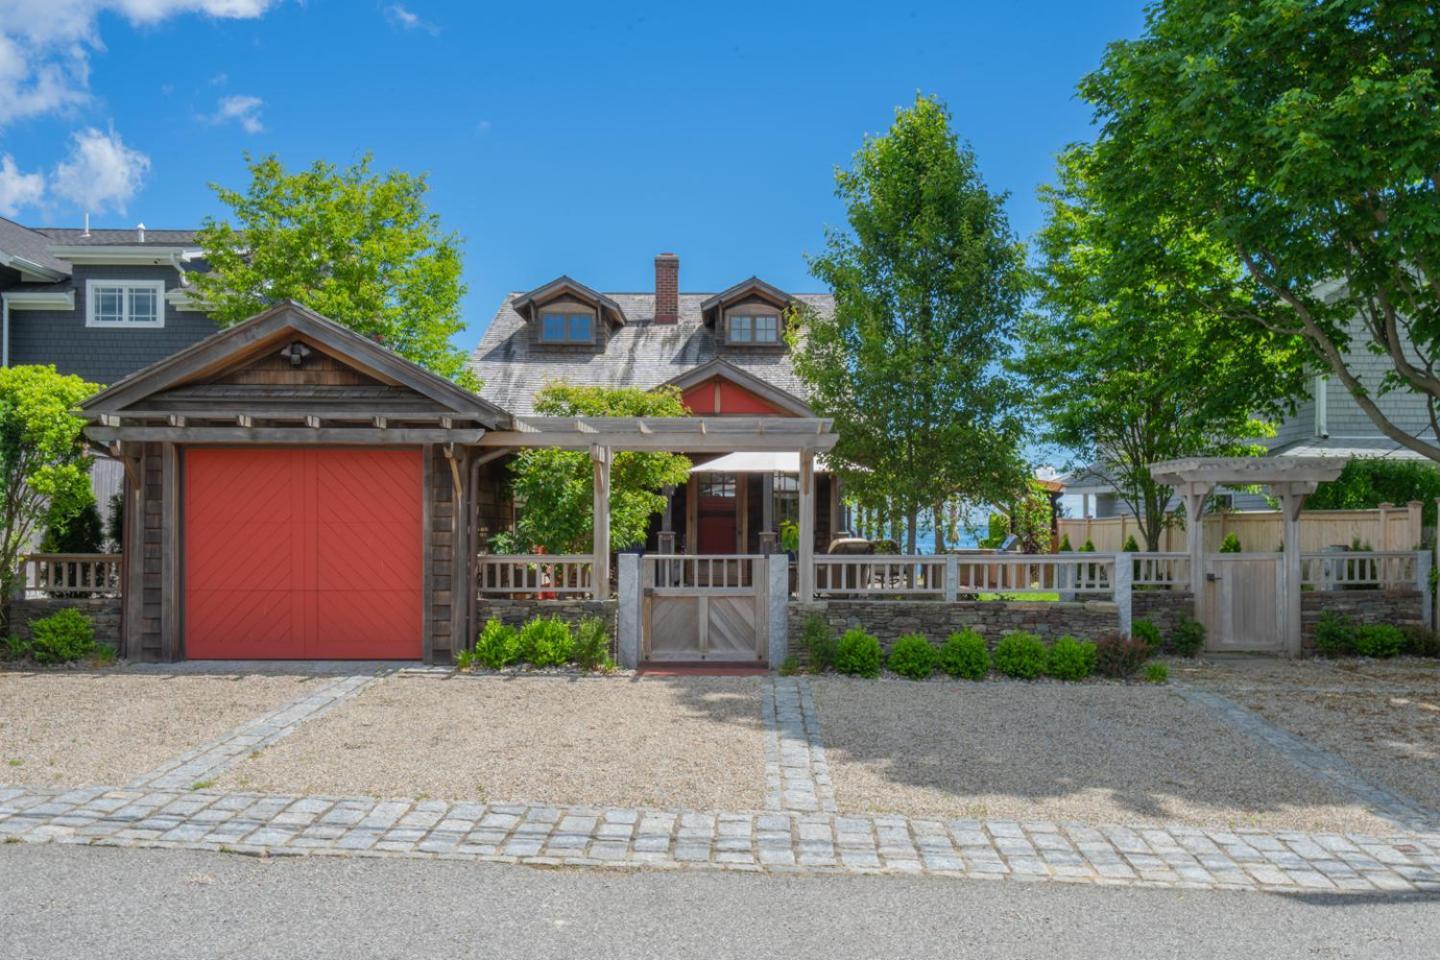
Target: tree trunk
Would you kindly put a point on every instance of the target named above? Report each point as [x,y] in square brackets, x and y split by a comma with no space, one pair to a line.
[912,521]
[939,528]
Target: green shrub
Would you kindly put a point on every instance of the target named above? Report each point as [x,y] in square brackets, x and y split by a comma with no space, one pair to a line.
[858,654]
[546,642]
[965,654]
[789,666]
[1231,544]
[1020,655]
[1157,673]
[592,645]
[1130,545]
[1188,637]
[1379,640]
[497,646]
[1065,544]
[465,660]
[1420,641]
[1334,636]
[16,647]
[1118,656]
[818,643]
[1146,630]
[1088,546]
[63,637]
[1070,659]
[912,656]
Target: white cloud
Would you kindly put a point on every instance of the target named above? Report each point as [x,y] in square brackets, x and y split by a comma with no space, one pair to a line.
[239,109]
[101,172]
[17,188]
[409,20]
[45,45]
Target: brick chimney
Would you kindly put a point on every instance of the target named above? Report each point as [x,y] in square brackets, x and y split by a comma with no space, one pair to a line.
[667,288]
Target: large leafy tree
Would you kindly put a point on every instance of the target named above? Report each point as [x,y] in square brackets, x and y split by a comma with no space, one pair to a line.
[1305,137]
[556,488]
[928,282]
[44,465]
[1128,367]
[356,246]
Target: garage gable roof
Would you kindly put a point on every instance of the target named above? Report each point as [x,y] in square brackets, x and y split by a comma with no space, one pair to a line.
[245,341]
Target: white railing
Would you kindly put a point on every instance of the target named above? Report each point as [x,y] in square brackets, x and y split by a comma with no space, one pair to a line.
[907,576]
[542,576]
[700,571]
[1064,573]
[1376,570]
[70,574]
[1161,570]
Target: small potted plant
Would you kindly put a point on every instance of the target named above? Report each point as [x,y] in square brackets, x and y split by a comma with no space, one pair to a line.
[790,538]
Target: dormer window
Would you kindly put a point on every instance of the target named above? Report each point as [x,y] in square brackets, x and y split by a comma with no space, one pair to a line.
[760,328]
[557,327]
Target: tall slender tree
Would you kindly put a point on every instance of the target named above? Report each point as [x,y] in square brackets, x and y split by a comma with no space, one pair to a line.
[928,283]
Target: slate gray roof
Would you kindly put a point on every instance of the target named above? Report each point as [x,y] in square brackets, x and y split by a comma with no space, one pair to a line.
[75,237]
[21,241]
[640,354]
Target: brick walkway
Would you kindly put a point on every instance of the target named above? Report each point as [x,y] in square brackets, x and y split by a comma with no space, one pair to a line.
[777,841]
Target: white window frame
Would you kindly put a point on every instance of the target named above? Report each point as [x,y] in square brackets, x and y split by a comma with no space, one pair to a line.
[158,286]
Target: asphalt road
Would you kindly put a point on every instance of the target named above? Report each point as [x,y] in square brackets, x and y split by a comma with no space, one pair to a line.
[76,903]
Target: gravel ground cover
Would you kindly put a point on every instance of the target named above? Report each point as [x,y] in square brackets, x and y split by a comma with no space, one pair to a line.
[1093,753]
[672,742]
[1380,716]
[74,728]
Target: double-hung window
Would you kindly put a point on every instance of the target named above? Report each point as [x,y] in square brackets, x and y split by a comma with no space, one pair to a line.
[125,303]
[754,328]
[567,328]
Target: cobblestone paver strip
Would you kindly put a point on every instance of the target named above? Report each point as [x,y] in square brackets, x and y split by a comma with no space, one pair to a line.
[1171,856]
[1401,812]
[208,761]
[797,778]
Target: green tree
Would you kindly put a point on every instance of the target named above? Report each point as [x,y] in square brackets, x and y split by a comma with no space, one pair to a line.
[928,283]
[44,466]
[358,247]
[1127,367]
[1303,137]
[556,488]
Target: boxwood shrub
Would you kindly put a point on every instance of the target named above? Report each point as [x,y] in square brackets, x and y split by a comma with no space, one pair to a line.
[546,642]
[1188,637]
[1147,631]
[1379,640]
[912,656]
[965,654]
[818,643]
[858,654]
[592,645]
[1334,636]
[63,637]
[497,646]
[1020,655]
[1070,659]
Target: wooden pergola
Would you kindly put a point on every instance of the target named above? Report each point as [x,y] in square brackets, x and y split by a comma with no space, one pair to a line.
[1291,479]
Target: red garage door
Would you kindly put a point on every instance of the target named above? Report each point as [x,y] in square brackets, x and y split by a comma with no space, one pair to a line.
[302,553]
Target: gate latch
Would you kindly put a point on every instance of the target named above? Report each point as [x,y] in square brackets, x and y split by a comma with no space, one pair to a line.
[1213,577]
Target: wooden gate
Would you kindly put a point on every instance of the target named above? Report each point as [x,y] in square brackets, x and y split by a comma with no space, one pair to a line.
[704,607]
[1244,602]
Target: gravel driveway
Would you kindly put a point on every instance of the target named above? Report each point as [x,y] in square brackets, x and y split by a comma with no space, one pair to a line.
[107,727]
[692,742]
[1380,716]
[1094,753]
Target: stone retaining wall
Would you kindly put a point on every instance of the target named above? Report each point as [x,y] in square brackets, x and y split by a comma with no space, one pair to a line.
[1359,606]
[937,619]
[516,613]
[1164,608]
[104,613]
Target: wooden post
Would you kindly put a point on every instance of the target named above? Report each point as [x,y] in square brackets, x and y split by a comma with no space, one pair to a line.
[600,569]
[806,556]
[1194,496]
[1291,500]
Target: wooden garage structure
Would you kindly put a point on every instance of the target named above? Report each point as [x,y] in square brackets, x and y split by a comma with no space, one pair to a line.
[292,492]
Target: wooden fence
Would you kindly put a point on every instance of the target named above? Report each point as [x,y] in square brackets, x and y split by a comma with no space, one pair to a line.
[69,575]
[952,576]
[1385,528]
[544,576]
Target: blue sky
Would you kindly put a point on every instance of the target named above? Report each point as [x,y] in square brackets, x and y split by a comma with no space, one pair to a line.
[559,138]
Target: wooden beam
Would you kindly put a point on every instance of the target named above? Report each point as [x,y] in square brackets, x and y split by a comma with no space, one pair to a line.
[699,442]
[176,420]
[379,422]
[171,640]
[313,422]
[244,420]
[340,435]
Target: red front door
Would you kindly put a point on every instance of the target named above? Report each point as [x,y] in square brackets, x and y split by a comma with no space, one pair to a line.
[717,515]
[302,553]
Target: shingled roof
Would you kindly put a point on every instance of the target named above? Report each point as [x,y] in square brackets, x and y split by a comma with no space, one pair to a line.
[640,354]
[28,246]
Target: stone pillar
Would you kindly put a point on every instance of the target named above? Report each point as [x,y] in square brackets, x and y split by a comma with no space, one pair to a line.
[777,567]
[1124,576]
[1422,583]
[806,554]
[628,612]
[600,569]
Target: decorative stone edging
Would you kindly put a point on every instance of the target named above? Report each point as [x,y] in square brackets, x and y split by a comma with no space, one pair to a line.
[208,761]
[797,778]
[1400,812]
[1173,856]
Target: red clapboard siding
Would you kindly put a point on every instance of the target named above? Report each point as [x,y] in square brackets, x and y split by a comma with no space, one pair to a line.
[302,553]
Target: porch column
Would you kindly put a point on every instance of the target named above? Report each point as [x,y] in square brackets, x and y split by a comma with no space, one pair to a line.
[666,540]
[1194,495]
[806,555]
[769,539]
[600,569]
